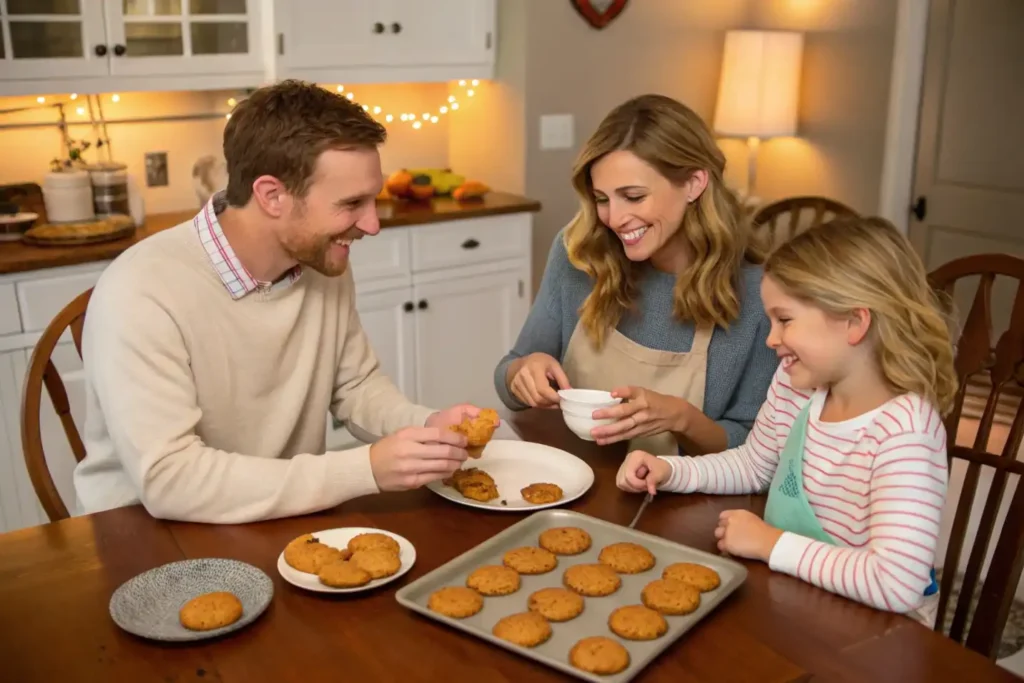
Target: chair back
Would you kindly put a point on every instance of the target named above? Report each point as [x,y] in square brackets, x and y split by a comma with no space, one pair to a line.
[1001,362]
[782,220]
[43,373]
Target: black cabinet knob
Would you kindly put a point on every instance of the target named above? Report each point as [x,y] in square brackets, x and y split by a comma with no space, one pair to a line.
[396,27]
[120,50]
[408,307]
[470,244]
[100,50]
[920,208]
[423,304]
[378,27]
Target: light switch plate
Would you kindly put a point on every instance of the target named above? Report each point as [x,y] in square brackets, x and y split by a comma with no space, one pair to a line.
[556,131]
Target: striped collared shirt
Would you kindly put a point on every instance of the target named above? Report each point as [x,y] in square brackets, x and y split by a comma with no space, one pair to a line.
[233,274]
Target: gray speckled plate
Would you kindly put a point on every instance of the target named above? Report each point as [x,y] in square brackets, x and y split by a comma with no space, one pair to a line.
[148,604]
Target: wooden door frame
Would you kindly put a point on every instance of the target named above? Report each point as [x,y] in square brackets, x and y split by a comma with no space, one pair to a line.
[903,121]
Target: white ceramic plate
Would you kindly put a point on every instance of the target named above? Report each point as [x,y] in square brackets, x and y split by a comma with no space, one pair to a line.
[515,465]
[339,538]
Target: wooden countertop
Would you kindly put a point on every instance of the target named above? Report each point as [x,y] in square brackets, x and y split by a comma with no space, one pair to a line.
[16,257]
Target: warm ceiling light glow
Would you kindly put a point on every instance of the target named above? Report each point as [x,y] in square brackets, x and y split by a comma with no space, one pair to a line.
[341,88]
[451,98]
[376,110]
[462,83]
[444,110]
[389,118]
[366,107]
[80,111]
[426,116]
[115,98]
[40,100]
[455,105]
[475,82]
[470,92]
[433,119]
[405,117]
[350,95]
[417,124]
[74,96]
[232,101]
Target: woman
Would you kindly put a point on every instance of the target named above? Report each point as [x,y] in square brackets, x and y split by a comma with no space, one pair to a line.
[651,292]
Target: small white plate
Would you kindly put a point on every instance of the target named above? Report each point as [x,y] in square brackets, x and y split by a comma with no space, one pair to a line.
[339,538]
[514,465]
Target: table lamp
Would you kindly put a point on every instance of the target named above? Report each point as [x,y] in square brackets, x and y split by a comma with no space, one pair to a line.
[759,89]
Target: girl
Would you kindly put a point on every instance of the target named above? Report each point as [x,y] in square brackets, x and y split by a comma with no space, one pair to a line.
[850,443]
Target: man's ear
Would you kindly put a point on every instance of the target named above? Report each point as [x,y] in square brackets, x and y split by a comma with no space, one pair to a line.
[858,326]
[270,195]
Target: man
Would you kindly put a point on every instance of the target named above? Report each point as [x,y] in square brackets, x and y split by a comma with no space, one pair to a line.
[214,350]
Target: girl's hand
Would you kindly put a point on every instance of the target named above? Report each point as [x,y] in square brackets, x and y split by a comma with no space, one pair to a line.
[744,534]
[529,380]
[642,412]
[641,472]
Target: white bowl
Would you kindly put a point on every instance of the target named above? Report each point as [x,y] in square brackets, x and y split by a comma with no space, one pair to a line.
[578,405]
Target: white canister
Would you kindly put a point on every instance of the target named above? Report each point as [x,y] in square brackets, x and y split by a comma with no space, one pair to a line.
[67,196]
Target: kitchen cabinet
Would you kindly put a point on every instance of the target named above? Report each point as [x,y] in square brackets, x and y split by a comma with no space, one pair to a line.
[89,46]
[347,41]
[441,303]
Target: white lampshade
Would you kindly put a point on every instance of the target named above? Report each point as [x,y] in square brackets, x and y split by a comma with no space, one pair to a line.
[760,84]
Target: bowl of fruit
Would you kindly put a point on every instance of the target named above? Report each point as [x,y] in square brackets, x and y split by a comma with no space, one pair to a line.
[423,184]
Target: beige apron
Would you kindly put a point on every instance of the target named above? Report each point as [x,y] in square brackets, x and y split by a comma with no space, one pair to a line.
[623,362]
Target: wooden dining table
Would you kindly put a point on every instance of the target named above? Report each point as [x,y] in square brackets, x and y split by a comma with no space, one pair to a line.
[56,581]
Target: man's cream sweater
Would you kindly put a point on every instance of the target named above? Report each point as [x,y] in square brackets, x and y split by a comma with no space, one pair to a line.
[210,409]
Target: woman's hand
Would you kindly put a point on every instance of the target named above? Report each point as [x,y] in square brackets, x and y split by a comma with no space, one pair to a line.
[641,472]
[642,412]
[744,534]
[529,379]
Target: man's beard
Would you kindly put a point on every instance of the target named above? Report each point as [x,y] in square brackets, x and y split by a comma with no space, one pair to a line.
[315,255]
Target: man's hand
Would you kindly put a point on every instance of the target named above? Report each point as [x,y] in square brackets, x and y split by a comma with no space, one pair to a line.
[744,534]
[415,456]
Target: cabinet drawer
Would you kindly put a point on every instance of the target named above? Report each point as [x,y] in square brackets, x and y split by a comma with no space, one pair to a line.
[41,300]
[470,241]
[10,320]
[381,256]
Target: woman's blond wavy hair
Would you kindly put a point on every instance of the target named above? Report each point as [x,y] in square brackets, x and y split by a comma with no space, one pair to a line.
[852,263]
[676,142]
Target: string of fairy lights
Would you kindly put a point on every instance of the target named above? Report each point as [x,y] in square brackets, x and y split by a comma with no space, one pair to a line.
[416,120]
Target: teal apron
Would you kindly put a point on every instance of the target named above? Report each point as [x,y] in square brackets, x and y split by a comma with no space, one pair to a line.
[788,508]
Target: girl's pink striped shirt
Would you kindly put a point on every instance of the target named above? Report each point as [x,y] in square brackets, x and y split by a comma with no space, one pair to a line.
[877,484]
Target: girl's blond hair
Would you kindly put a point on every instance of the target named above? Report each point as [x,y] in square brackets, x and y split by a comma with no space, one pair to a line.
[852,263]
[675,141]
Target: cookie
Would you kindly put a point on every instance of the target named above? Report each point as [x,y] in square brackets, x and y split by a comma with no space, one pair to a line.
[457,602]
[494,580]
[209,611]
[377,563]
[599,655]
[594,580]
[307,554]
[530,560]
[374,541]
[473,484]
[478,431]
[528,629]
[700,577]
[555,604]
[565,540]
[541,494]
[626,558]
[343,575]
[670,597]
[636,622]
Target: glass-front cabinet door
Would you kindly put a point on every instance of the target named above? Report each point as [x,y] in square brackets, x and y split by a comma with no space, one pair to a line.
[52,38]
[174,37]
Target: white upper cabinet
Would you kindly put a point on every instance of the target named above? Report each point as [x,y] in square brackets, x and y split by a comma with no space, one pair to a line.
[52,38]
[387,40]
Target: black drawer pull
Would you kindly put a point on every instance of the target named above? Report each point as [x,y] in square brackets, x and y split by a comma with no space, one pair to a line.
[407,307]
[423,304]
[470,244]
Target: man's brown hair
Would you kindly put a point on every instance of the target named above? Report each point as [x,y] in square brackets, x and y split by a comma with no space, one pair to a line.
[281,130]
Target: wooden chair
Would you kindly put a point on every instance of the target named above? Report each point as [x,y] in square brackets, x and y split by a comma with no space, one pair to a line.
[42,372]
[773,229]
[1003,362]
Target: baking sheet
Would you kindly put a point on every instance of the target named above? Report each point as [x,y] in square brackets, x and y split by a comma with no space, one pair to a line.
[594,619]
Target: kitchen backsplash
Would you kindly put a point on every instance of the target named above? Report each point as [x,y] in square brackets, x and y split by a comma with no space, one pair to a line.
[185,136]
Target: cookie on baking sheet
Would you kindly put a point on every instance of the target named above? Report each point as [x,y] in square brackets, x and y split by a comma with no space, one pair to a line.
[210,610]
[555,604]
[593,580]
[636,622]
[670,597]
[541,494]
[307,554]
[494,579]
[626,558]
[565,540]
[343,574]
[700,577]
[528,629]
[530,560]
[377,563]
[374,541]
[599,655]
[457,602]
